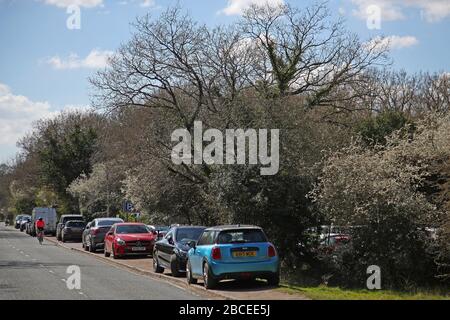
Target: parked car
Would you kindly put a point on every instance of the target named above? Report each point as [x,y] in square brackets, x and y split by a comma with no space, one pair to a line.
[62,221]
[129,239]
[28,227]
[332,242]
[232,252]
[48,215]
[171,251]
[93,237]
[73,229]
[161,231]
[17,221]
[23,222]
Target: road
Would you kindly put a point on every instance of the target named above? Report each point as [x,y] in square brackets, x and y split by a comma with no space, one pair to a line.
[32,271]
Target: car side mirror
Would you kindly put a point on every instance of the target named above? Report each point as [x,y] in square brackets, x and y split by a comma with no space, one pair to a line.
[192,244]
[110,233]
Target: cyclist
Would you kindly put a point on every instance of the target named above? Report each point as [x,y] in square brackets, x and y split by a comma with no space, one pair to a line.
[40,224]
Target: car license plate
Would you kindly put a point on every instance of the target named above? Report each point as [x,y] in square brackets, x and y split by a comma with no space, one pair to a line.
[138,248]
[240,254]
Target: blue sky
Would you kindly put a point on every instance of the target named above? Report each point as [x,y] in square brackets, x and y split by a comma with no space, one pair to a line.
[44,66]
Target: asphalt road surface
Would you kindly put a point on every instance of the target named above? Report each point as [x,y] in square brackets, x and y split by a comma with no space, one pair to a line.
[29,270]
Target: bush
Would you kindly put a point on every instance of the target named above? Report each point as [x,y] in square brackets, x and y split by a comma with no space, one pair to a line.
[374,130]
[401,249]
[380,190]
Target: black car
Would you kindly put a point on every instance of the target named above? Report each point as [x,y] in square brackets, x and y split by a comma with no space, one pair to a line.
[73,229]
[62,221]
[171,251]
[93,237]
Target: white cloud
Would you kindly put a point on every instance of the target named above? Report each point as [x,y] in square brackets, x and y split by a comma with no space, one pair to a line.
[94,60]
[236,7]
[431,10]
[148,3]
[17,114]
[394,42]
[80,3]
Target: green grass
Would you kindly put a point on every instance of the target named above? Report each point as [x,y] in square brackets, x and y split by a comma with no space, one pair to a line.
[335,293]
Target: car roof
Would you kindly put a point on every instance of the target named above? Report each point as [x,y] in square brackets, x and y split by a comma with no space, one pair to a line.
[189,227]
[112,218]
[234,227]
[129,224]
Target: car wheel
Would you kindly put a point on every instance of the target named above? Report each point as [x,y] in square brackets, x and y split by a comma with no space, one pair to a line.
[91,247]
[107,254]
[156,267]
[113,253]
[274,280]
[174,266]
[190,279]
[208,281]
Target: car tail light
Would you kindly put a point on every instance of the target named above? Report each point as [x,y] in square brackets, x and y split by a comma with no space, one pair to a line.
[271,252]
[215,254]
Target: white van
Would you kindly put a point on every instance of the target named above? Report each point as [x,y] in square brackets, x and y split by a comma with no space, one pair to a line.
[50,218]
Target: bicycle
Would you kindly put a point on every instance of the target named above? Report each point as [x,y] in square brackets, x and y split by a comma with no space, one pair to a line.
[40,236]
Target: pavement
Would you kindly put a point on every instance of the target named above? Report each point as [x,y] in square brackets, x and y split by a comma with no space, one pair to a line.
[22,260]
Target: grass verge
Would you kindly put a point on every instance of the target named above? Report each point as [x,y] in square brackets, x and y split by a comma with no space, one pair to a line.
[335,293]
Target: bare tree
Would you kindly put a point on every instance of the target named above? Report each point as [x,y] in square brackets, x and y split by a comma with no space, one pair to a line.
[308,53]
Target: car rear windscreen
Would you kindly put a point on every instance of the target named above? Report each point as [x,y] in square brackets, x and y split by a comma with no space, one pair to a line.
[76,224]
[186,234]
[106,223]
[132,229]
[72,218]
[241,236]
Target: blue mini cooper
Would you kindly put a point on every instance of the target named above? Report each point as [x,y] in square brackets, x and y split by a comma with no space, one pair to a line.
[232,252]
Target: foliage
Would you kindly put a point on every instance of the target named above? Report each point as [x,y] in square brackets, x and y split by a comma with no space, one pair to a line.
[378,192]
[98,192]
[373,130]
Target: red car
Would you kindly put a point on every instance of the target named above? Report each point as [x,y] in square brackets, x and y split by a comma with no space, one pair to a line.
[129,239]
